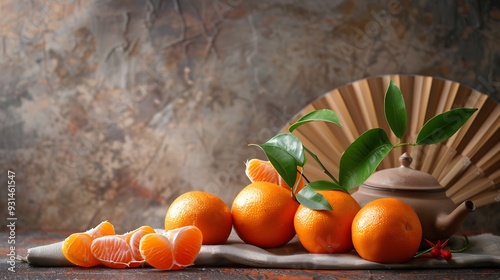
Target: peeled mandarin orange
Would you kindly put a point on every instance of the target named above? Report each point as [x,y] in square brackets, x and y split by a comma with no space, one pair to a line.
[113,251]
[102,229]
[258,170]
[386,230]
[120,251]
[76,247]
[205,211]
[128,235]
[156,250]
[327,231]
[186,244]
[173,250]
[261,171]
[133,239]
[263,214]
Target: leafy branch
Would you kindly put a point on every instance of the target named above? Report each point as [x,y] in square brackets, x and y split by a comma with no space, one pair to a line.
[362,157]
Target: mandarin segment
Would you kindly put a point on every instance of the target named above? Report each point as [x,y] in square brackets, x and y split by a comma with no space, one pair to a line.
[261,171]
[327,231]
[186,243]
[263,214]
[156,250]
[121,251]
[386,230]
[134,240]
[102,229]
[76,249]
[113,251]
[258,170]
[205,211]
[128,235]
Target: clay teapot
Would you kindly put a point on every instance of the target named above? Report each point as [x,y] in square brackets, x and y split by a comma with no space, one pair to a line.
[439,216]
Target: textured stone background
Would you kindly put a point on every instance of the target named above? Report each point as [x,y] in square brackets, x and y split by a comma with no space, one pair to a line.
[111,109]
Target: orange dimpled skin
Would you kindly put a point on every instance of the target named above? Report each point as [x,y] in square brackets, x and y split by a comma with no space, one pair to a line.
[205,211]
[327,231]
[386,230]
[263,214]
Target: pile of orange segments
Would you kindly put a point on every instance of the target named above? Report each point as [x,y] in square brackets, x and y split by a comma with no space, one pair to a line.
[266,214]
[171,250]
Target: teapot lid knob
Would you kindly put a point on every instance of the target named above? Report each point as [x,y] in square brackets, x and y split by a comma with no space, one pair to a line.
[405,160]
[404,178]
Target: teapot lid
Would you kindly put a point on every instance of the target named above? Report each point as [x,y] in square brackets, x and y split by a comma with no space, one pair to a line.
[403,178]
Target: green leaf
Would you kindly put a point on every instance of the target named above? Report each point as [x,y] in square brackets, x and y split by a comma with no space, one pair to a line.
[285,152]
[362,157]
[313,200]
[317,115]
[325,185]
[443,126]
[291,144]
[395,110]
[282,161]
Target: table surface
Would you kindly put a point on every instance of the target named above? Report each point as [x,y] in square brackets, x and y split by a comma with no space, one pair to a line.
[32,239]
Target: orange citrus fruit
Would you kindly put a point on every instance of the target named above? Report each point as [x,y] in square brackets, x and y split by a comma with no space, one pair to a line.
[386,230]
[76,247]
[120,251]
[327,231]
[133,239]
[113,251]
[156,249]
[258,170]
[186,243]
[102,229]
[205,211]
[173,250]
[263,214]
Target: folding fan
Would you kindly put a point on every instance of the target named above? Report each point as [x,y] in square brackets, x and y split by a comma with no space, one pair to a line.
[467,164]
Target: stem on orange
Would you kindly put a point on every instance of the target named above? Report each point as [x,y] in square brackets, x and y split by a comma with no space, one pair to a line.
[295,186]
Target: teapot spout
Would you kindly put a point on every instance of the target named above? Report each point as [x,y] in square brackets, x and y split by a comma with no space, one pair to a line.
[451,223]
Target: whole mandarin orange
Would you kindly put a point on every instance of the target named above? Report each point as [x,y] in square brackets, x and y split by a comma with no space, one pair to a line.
[263,214]
[386,230]
[327,231]
[203,210]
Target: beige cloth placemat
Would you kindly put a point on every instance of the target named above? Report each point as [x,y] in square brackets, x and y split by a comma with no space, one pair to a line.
[483,251]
